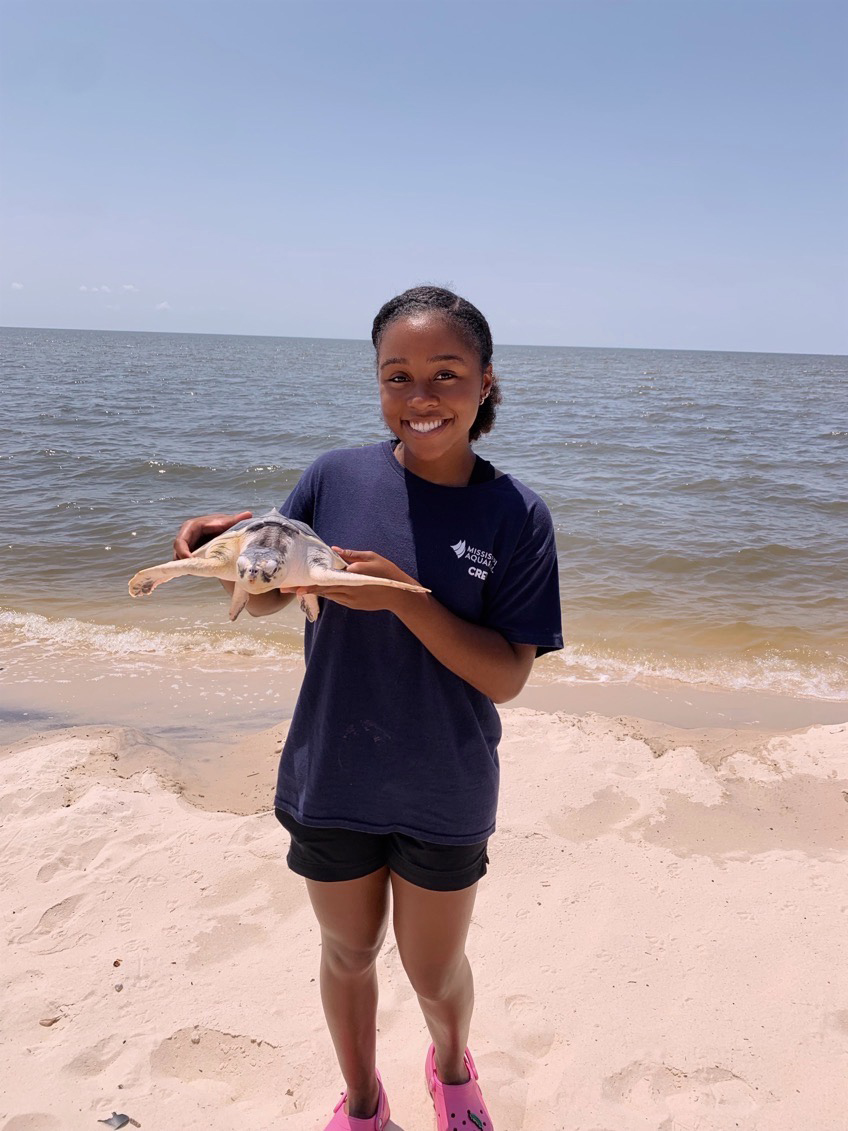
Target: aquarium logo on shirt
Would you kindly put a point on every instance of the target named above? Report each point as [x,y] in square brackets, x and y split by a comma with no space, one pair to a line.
[479,558]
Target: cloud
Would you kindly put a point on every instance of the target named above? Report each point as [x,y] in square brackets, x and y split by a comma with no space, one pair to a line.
[17,286]
[112,306]
[162,306]
[129,287]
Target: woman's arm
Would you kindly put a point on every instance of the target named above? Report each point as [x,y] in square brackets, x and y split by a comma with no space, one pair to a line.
[479,655]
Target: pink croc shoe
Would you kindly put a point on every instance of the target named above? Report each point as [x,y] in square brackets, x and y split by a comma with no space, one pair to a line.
[459,1107]
[341,1121]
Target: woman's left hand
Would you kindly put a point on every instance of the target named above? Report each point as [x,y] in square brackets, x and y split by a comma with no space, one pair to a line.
[367,598]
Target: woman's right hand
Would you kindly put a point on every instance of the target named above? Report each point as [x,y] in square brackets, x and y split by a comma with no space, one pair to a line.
[196,532]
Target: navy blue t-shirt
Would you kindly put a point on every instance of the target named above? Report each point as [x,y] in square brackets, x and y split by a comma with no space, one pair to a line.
[384,738]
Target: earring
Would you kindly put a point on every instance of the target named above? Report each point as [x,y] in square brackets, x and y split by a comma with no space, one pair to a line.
[484,397]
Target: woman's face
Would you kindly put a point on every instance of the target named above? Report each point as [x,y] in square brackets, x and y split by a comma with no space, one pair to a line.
[431,384]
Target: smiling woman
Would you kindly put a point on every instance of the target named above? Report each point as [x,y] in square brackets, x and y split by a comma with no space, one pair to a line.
[388,779]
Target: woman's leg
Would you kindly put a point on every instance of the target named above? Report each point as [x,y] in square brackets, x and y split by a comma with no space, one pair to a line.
[431,928]
[352,915]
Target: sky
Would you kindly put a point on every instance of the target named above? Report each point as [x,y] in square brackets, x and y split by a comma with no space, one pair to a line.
[616,173]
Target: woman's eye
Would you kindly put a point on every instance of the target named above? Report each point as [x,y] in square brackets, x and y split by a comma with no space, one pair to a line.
[398,378]
[445,373]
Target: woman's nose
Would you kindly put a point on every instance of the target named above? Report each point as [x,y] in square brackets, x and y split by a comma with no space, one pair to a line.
[423,392]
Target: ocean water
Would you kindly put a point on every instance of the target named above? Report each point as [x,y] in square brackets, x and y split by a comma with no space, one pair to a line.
[700,499]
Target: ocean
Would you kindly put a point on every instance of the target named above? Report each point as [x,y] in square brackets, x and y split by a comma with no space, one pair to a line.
[700,502]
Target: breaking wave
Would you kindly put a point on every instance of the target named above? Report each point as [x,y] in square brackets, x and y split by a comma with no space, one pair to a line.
[66,634]
[801,672]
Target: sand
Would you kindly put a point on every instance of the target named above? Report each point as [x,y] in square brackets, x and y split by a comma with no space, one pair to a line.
[660,943]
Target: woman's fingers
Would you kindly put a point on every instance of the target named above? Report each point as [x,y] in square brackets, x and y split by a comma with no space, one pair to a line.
[366,561]
[353,555]
[195,532]
[182,548]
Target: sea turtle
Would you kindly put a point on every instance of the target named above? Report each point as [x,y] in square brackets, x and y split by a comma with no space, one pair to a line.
[269,552]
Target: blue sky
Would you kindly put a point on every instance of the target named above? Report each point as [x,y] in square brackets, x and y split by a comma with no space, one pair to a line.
[658,173]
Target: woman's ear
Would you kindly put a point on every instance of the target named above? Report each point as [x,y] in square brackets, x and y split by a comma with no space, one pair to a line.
[487,383]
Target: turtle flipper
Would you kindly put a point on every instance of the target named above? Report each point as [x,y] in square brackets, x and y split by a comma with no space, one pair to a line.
[239,600]
[309,604]
[146,580]
[320,575]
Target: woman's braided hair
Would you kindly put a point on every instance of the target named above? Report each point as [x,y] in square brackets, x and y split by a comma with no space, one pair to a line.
[468,321]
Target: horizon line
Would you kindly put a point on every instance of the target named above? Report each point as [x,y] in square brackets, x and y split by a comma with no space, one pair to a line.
[367,341]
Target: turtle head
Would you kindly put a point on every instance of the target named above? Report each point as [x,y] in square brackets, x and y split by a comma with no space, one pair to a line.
[260,565]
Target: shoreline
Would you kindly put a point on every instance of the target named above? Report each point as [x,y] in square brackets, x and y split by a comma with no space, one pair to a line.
[191,706]
[658,939]
[195,681]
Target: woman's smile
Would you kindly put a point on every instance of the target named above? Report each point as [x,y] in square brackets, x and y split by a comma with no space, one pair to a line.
[423,427]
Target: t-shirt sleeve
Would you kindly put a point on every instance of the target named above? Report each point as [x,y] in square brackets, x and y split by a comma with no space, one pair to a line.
[300,505]
[525,603]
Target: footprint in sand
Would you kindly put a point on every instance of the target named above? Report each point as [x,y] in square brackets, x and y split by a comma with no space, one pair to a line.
[532,1032]
[228,888]
[72,859]
[50,928]
[243,1064]
[661,1090]
[246,834]
[505,1075]
[265,886]
[92,1061]
[225,939]
[33,1121]
[838,1022]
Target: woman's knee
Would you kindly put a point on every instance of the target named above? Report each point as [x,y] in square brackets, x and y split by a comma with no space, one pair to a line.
[437,981]
[350,958]
[353,916]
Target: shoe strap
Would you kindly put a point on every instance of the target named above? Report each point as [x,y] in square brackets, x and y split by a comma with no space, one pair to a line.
[380,1123]
[472,1067]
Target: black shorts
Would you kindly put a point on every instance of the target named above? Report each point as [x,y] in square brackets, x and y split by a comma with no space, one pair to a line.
[342,854]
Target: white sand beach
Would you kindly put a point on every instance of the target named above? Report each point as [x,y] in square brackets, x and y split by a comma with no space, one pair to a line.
[660,942]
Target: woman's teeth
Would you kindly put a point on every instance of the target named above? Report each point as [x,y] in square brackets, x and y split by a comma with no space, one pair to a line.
[424,426]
